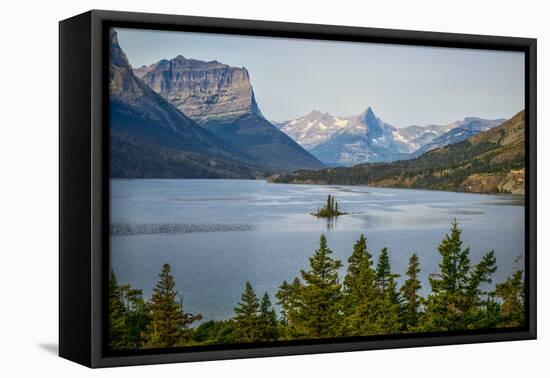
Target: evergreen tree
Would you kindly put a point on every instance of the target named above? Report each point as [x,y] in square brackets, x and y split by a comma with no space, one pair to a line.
[268,324]
[477,301]
[247,316]
[360,251]
[137,317]
[288,297]
[390,309]
[167,323]
[318,313]
[383,271]
[362,298]
[410,294]
[350,289]
[117,316]
[455,302]
[512,294]
[390,314]
[454,264]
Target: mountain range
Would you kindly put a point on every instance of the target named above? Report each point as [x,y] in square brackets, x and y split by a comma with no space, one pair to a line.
[366,138]
[492,161]
[186,118]
[152,137]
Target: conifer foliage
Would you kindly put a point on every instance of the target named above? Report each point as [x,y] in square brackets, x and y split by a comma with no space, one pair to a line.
[456,301]
[362,298]
[318,312]
[168,324]
[330,210]
[411,296]
[247,316]
[117,318]
[316,304]
[255,320]
[512,294]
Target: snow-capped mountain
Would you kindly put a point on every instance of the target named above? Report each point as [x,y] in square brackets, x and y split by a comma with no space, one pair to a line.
[314,128]
[460,131]
[367,138]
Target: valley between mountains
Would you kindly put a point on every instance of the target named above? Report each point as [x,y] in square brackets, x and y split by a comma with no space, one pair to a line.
[187,118]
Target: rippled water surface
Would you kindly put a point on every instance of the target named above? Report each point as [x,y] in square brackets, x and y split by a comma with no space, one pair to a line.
[217,234]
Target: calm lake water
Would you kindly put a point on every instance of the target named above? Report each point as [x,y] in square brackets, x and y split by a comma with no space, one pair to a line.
[218,234]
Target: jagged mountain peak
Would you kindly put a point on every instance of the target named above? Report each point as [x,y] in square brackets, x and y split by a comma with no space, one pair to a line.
[367,138]
[316,113]
[369,113]
[118,57]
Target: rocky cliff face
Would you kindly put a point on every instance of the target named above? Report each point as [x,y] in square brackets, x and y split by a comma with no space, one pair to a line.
[204,91]
[221,99]
[151,138]
[136,109]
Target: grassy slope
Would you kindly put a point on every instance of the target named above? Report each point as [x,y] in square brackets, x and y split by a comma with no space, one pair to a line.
[490,162]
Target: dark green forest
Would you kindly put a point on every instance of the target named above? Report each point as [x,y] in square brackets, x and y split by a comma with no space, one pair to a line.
[318,303]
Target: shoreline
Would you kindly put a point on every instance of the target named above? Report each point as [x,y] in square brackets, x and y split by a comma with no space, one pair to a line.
[521,195]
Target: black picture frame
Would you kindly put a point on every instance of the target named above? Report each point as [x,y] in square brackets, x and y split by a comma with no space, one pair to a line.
[84,184]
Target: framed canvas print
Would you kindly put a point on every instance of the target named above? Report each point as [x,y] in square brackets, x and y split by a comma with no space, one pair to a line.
[233,188]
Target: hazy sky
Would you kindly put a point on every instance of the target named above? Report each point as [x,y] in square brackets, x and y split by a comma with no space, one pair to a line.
[404,85]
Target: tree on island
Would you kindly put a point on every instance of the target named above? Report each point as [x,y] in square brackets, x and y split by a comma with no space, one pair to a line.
[330,210]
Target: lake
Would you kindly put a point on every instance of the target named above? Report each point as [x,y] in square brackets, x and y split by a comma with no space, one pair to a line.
[218,234]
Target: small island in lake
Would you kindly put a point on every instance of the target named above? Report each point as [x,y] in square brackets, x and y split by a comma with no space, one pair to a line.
[330,210]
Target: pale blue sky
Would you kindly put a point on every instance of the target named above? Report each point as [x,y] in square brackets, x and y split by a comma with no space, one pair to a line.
[404,85]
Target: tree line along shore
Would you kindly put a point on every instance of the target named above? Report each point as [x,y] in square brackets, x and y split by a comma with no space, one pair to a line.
[318,304]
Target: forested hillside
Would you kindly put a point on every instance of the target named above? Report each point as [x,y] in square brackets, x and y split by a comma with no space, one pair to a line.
[490,162]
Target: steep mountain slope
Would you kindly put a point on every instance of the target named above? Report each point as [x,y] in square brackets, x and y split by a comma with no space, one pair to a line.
[460,131]
[141,119]
[268,146]
[489,162]
[418,136]
[203,91]
[221,99]
[366,138]
[131,157]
